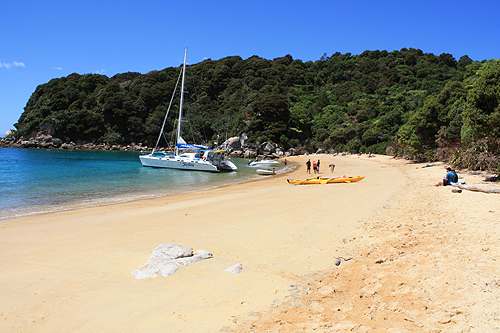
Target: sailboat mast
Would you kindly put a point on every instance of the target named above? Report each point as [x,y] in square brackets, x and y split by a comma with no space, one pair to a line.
[182,100]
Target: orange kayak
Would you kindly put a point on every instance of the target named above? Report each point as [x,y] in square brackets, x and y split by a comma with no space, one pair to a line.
[319,180]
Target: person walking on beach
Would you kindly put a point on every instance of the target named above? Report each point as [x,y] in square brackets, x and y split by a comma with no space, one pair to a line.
[318,166]
[308,164]
[315,167]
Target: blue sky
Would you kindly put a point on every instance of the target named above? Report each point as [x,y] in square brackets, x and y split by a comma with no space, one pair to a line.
[41,40]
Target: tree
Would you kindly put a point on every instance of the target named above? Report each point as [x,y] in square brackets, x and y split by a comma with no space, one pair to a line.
[481,116]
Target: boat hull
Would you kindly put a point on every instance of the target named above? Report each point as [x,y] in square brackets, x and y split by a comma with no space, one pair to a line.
[325,180]
[263,163]
[227,166]
[174,162]
[264,172]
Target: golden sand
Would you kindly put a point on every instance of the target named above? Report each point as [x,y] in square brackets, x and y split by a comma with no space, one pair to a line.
[423,258]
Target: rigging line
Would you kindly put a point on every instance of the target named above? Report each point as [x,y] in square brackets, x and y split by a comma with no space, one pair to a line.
[191,80]
[166,115]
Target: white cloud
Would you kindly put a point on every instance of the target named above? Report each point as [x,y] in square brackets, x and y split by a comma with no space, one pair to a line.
[58,68]
[101,71]
[12,64]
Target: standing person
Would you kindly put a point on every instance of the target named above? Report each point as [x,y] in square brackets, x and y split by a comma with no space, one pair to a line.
[315,167]
[274,172]
[332,167]
[285,161]
[318,166]
[308,164]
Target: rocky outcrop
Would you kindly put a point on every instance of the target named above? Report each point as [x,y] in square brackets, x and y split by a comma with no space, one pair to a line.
[46,141]
[236,146]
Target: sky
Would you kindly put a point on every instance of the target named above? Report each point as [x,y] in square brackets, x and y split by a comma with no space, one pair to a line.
[42,40]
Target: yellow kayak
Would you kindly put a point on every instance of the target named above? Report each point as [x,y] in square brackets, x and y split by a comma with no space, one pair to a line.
[320,180]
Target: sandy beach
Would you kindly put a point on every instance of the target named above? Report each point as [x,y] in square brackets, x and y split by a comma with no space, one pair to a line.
[421,258]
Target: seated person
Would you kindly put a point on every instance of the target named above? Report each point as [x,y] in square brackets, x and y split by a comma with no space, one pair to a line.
[450,177]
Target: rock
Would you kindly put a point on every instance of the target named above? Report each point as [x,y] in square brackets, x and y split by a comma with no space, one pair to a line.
[197,256]
[9,134]
[125,84]
[302,151]
[235,269]
[236,153]
[166,259]
[244,140]
[168,268]
[266,148]
[232,143]
[249,153]
[456,190]
[56,142]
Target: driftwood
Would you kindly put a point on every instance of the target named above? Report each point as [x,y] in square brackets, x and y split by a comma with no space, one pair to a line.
[477,188]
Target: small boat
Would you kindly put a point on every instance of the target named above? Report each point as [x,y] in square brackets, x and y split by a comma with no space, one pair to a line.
[263,163]
[265,172]
[200,159]
[325,180]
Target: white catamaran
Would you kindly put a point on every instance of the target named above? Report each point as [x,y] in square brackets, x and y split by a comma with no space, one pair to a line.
[200,159]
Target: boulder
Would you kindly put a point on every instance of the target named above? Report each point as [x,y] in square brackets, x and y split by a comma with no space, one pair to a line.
[244,140]
[302,151]
[9,135]
[250,153]
[236,153]
[28,144]
[166,259]
[266,148]
[232,143]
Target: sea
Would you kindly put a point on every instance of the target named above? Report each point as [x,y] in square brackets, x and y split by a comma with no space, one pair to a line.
[35,181]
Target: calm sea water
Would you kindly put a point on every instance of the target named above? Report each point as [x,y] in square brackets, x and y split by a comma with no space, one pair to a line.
[35,181]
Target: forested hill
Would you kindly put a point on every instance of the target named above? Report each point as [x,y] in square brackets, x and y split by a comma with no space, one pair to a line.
[418,103]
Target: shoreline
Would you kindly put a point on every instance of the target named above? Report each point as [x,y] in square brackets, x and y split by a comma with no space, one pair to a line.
[71,270]
[10,212]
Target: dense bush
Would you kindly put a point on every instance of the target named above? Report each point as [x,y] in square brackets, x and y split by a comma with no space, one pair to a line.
[418,104]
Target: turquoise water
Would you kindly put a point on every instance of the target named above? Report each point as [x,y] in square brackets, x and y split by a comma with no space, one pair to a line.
[35,181]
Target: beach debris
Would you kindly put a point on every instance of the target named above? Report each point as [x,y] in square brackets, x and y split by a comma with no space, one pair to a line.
[166,259]
[380,261]
[339,260]
[456,190]
[476,188]
[235,269]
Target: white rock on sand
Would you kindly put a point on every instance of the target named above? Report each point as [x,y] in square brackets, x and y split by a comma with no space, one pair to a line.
[166,260]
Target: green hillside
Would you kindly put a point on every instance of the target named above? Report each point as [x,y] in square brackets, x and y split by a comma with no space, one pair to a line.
[405,102]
